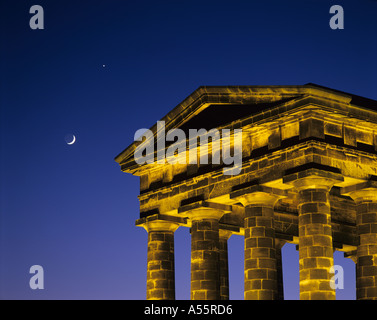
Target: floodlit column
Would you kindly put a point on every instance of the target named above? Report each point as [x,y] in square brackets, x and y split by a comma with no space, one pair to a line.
[366,226]
[223,262]
[315,233]
[205,248]
[260,253]
[160,268]
[315,244]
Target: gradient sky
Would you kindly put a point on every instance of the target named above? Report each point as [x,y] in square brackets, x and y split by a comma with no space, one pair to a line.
[69,208]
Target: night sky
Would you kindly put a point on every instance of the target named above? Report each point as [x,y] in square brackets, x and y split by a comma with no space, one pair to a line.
[102,70]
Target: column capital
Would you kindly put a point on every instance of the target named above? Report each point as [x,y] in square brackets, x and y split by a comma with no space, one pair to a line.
[313,178]
[258,194]
[159,222]
[204,210]
[365,191]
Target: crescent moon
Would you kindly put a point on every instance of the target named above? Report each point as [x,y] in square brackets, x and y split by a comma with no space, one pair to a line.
[73,141]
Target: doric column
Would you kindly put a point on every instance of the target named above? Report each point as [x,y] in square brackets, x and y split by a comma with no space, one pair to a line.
[365,197]
[205,248]
[160,265]
[315,233]
[224,235]
[205,269]
[260,253]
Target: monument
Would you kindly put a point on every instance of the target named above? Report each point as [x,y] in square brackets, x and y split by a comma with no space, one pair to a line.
[308,177]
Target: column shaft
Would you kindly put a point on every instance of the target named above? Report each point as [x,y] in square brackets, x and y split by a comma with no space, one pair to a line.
[205,269]
[160,270]
[260,256]
[315,244]
[366,267]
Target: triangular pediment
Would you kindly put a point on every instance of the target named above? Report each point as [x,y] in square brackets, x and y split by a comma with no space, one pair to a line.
[215,106]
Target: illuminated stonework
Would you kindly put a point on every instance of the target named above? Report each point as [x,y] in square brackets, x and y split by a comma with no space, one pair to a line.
[309,177]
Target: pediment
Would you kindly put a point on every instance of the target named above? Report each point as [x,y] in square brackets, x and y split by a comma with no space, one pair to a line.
[215,106]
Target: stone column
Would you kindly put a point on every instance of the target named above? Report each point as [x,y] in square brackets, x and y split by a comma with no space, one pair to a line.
[260,253]
[160,268]
[366,227]
[315,233]
[205,248]
[224,235]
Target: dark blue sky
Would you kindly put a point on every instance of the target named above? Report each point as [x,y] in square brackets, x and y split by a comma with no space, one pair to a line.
[69,208]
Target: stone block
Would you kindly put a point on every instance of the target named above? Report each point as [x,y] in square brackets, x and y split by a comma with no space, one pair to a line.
[306,240]
[272,273]
[250,263]
[264,222]
[209,285]
[305,218]
[369,217]
[198,294]
[266,242]
[266,263]
[365,282]
[274,139]
[252,295]
[260,253]
[349,136]
[258,232]
[256,274]
[266,295]
[371,292]
[312,128]
[251,242]
[369,271]
[156,295]
[333,129]
[253,285]
[322,295]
